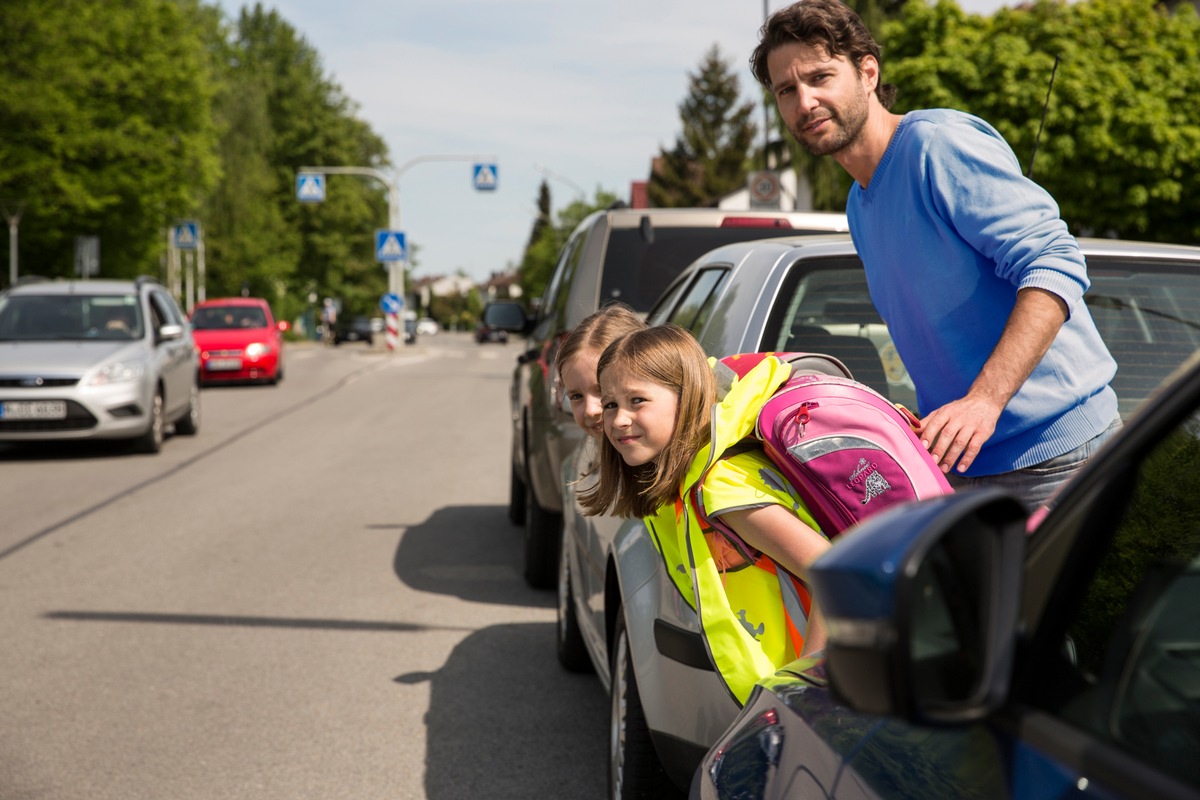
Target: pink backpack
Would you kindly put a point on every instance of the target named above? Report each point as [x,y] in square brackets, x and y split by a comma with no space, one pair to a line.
[846,449]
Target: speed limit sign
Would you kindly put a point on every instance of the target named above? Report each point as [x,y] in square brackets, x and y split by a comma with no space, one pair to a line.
[764,189]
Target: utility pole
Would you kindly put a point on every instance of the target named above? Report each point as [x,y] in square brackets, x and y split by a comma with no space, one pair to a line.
[14,223]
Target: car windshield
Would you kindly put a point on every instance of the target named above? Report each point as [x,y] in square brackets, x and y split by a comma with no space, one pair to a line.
[68,317]
[212,318]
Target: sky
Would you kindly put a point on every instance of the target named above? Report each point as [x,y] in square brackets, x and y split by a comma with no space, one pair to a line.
[579,94]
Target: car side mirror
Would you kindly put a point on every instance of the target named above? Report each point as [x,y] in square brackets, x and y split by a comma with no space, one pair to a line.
[506,315]
[921,605]
[167,332]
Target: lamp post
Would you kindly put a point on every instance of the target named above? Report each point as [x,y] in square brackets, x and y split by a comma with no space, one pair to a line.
[549,173]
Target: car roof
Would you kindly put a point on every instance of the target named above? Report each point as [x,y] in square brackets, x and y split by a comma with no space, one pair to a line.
[69,287]
[714,217]
[232,301]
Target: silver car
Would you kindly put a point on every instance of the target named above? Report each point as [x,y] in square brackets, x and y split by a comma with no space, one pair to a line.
[620,614]
[95,360]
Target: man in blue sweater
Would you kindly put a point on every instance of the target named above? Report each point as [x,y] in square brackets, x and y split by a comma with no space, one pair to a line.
[968,262]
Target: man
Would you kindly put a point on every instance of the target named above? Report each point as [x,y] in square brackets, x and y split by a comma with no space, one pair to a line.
[967,261]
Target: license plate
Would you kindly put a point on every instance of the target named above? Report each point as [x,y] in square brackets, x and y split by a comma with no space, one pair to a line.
[33,409]
[224,364]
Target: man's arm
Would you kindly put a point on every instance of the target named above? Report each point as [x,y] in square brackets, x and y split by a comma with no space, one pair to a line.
[956,431]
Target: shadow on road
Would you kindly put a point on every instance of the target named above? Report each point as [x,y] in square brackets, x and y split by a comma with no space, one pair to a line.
[471,552]
[505,720]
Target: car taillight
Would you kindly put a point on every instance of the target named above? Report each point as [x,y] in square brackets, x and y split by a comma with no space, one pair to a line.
[755,222]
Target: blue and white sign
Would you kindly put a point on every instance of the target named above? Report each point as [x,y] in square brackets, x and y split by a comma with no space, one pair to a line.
[310,187]
[485,177]
[186,235]
[389,246]
[391,303]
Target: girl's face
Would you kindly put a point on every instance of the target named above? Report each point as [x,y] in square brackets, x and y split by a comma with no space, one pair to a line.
[581,388]
[639,415]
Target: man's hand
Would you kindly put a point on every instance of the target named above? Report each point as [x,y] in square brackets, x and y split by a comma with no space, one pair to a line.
[956,431]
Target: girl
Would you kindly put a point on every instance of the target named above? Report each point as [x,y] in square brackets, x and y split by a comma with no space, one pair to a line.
[577,357]
[671,447]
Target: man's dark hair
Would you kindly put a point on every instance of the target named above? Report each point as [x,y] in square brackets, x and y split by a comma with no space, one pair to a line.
[830,24]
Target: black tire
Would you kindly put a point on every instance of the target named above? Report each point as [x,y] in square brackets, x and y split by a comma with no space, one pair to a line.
[151,441]
[543,533]
[189,423]
[572,652]
[634,770]
[516,497]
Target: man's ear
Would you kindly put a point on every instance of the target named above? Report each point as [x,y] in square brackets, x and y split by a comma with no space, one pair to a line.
[868,71]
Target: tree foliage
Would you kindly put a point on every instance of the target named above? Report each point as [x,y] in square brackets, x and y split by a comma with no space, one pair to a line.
[1121,144]
[106,113]
[709,159]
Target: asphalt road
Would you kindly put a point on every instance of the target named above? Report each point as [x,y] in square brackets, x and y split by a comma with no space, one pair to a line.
[318,596]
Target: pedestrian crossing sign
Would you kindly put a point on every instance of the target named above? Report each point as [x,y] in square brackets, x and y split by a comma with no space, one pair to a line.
[186,236]
[485,177]
[310,187]
[389,246]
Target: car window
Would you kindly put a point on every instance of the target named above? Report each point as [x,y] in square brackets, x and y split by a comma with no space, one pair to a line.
[695,308]
[639,266]
[824,307]
[556,294]
[1149,316]
[1136,635]
[64,317]
[666,304]
[162,311]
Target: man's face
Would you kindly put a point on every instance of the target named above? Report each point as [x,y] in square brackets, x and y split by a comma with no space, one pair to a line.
[822,99]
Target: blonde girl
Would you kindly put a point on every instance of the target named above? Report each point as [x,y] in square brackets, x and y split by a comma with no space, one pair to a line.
[659,394]
[577,357]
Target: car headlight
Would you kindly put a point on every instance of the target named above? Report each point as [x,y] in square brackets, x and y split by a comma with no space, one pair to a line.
[118,372]
[257,349]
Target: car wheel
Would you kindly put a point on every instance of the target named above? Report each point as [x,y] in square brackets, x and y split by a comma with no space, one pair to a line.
[189,423]
[543,530]
[572,652]
[516,497]
[151,441]
[633,766]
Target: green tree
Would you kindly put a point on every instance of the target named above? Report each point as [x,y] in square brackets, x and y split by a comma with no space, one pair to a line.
[298,117]
[1121,142]
[709,159]
[107,127]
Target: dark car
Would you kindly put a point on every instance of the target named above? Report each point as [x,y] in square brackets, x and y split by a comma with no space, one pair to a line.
[354,329]
[968,657]
[486,331]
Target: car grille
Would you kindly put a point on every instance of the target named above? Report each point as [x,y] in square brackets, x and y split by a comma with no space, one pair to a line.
[34,382]
[78,419]
[223,353]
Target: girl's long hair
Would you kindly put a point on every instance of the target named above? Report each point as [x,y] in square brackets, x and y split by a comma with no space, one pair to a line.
[669,356]
[598,331]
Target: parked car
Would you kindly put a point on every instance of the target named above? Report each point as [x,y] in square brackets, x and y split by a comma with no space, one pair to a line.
[618,611]
[97,359]
[967,658]
[622,254]
[427,326]
[239,341]
[353,329]
[486,331]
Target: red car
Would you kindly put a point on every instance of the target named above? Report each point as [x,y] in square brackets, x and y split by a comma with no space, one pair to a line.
[238,340]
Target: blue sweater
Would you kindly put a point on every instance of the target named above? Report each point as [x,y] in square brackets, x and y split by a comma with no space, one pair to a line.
[948,230]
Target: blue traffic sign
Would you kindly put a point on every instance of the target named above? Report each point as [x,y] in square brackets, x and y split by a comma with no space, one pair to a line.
[186,236]
[310,187]
[389,246]
[391,303]
[485,177]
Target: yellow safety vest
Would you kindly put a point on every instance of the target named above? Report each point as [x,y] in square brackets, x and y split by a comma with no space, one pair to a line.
[752,621]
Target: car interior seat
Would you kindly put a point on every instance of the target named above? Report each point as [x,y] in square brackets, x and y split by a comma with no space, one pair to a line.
[857,352]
